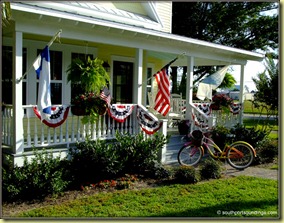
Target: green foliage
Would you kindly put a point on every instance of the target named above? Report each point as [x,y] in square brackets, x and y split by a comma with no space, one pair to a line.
[94,160]
[228,82]
[237,24]
[210,169]
[250,135]
[267,82]
[241,25]
[220,136]
[267,150]
[186,174]
[41,176]
[89,74]
[101,159]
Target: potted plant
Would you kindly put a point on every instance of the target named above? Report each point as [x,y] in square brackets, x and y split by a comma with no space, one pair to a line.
[221,102]
[88,77]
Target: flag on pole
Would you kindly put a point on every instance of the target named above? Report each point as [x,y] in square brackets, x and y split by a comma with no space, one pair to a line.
[105,95]
[162,101]
[210,83]
[42,68]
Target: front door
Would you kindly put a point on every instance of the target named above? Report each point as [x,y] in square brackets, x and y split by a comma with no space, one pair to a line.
[122,82]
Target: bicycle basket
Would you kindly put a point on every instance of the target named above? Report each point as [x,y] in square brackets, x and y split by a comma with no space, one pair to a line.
[196,137]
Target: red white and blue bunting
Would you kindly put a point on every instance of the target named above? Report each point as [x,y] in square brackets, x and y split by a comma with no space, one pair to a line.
[235,108]
[205,108]
[58,115]
[120,112]
[147,123]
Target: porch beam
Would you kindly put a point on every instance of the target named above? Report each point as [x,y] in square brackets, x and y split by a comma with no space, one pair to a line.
[241,96]
[139,77]
[189,86]
[18,141]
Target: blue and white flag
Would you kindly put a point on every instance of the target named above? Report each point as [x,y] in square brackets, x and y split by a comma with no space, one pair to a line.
[210,83]
[42,68]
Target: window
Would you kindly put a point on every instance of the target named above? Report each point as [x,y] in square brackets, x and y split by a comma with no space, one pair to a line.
[7,75]
[149,83]
[122,82]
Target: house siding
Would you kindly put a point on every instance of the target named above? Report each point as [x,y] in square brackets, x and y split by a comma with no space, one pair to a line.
[164,10]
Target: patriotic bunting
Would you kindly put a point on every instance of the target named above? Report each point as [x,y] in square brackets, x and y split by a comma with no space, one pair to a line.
[205,108]
[235,108]
[148,124]
[57,117]
[120,112]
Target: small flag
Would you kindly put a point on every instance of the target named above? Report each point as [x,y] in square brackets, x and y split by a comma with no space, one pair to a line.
[42,68]
[162,101]
[211,83]
[105,95]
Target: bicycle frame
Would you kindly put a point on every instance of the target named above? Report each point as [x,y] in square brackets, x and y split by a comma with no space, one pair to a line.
[221,154]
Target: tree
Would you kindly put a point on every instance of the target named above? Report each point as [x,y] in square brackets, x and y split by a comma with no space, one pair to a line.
[237,24]
[266,84]
[242,25]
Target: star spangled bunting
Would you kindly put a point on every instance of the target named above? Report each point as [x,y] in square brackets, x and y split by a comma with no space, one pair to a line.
[162,101]
[105,95]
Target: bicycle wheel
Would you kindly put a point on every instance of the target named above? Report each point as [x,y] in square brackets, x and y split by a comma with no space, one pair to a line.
[240,155]
[189,155]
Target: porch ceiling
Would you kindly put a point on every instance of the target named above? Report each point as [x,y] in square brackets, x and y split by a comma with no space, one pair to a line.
[78,29]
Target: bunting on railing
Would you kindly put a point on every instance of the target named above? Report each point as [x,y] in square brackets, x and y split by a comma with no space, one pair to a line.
[205,108]
[57,117]
[120,112]
[148,124]
[235,108]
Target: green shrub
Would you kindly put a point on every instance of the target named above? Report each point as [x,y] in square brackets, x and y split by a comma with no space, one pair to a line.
[210,169]
[220,136]
[267,150]
[251,135]
[186,174]
[100,159]
[42,176]
[158,171]
[94,160]
[137,153]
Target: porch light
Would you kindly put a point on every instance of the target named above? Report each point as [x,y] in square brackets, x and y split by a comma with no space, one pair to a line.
[106,66]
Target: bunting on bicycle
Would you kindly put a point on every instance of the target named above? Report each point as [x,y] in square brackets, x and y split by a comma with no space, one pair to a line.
[147,123]
[120,112]
[58,115]
[205,108]
[235,108]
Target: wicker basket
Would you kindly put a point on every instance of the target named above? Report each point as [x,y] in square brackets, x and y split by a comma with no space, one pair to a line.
[196,137]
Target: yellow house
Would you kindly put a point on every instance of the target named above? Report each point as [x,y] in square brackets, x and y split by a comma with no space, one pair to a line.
[133,38]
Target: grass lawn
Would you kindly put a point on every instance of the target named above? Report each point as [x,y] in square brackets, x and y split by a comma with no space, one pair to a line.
[232,197]
[250,109]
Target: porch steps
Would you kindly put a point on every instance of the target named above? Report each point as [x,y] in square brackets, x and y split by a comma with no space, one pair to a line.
[174,145]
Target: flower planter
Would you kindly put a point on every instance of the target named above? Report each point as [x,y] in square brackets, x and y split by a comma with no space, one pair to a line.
[79,111]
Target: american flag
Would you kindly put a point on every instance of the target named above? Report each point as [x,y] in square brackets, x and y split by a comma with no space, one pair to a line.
[162,101]
[105,95]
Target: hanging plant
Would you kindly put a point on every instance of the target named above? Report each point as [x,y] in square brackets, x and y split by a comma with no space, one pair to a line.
[221,102]
[88,77]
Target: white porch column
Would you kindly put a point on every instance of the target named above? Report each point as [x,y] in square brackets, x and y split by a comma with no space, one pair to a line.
[139,77]
[189,86]
[18,141]
[241,96]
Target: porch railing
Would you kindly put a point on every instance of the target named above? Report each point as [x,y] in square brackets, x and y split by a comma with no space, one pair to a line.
[214,118]
[37,134]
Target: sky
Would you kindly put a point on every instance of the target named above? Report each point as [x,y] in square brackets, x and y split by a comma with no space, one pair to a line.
[252,68]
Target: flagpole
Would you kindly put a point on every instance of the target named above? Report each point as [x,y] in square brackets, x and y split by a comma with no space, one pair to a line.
[48,44]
